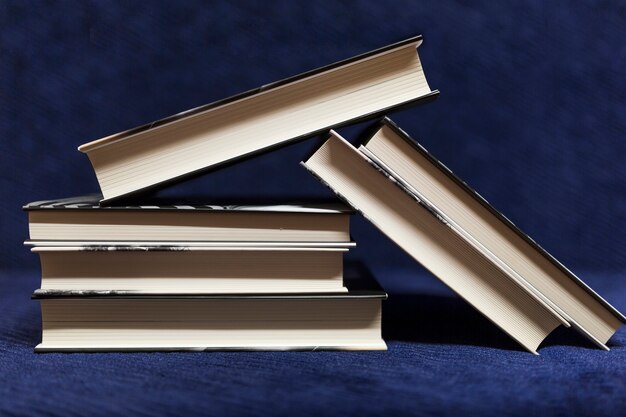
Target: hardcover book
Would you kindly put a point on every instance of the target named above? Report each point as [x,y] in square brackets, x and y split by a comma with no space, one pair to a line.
[484,227]
[81,219]
[95,321]
[423,234]
[179,268]
[207,137]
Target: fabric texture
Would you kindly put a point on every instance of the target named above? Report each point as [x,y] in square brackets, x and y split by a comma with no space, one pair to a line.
[531,115]
[444,359]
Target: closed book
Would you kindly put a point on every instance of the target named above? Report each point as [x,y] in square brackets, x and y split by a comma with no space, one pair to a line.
[169,268]
[424,235]
[273,115]
[483,226]
[82,219]
[84,321]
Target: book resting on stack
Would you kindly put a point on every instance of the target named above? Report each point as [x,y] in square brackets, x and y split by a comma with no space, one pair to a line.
[189,275]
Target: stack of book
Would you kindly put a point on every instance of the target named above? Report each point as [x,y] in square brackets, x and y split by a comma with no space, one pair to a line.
[198,277]
[187,276]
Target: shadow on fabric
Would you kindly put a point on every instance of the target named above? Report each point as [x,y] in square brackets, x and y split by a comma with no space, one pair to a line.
[435,319]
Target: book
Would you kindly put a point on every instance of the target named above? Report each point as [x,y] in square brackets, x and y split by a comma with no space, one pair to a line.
[298,107]
[180,269]
[81,219]
[83,321]
[425,236]
[481,224]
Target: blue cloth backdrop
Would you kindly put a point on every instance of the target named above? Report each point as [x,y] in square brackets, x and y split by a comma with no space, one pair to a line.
[532,114]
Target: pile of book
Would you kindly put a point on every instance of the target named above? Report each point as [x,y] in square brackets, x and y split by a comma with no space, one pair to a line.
[183,275]
[198,277]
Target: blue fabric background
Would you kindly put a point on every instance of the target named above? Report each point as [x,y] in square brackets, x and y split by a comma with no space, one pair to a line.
[532,115]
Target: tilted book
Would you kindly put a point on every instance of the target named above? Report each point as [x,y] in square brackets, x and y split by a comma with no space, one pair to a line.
[209,136]
[427,234]
[468,213]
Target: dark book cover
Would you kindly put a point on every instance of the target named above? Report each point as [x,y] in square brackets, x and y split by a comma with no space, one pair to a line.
[91,202]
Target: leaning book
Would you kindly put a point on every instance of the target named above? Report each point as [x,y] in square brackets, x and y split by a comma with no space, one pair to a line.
[273,115]
[467,212]
[430,236]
